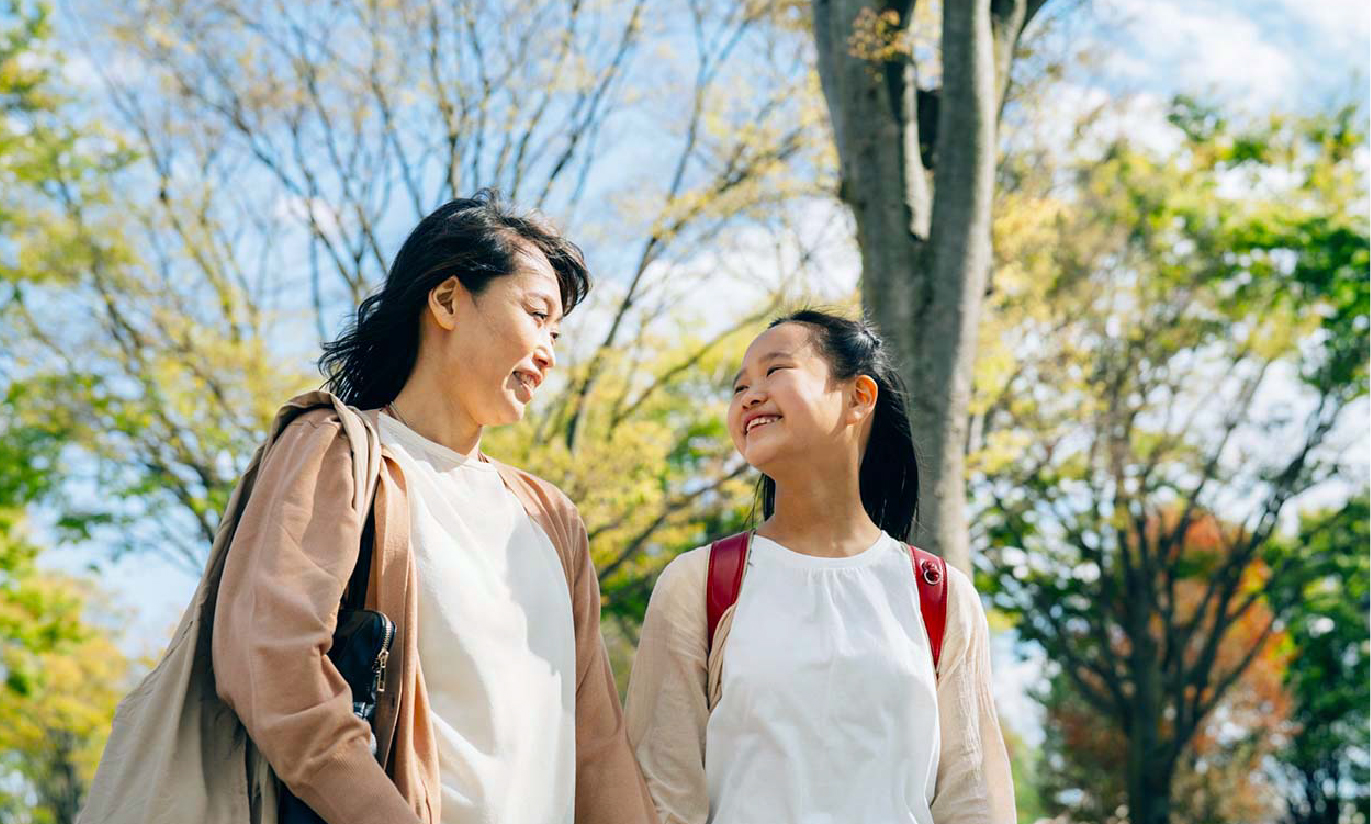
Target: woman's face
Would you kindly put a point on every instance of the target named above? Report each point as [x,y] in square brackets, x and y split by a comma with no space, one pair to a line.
[499,344]
[785,401]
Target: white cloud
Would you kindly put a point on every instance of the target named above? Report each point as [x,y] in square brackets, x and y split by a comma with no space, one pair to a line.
[1203,46]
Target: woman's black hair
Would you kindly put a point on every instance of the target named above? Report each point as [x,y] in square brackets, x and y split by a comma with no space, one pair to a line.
[889,475]
[473,239]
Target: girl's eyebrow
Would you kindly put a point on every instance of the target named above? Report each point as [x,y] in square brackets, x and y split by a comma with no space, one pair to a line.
[769,356]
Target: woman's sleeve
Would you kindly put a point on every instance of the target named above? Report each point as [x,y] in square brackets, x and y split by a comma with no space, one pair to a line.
[609,788]
[668,707]
[974,785]
[292,555]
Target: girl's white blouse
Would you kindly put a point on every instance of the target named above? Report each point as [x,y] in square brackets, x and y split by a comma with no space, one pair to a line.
[829,710]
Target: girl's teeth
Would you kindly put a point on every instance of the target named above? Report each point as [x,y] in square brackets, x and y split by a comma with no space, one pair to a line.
[759,422]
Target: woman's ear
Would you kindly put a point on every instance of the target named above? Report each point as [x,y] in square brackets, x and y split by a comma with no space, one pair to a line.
[862,400]
[442,303]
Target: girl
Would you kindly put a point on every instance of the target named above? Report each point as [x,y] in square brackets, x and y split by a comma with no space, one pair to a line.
[816,698]
[496,702]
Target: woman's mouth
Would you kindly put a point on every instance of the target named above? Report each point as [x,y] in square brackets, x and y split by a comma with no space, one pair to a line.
[524,384]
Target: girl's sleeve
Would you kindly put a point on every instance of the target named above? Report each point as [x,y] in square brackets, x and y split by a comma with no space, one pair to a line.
[667,706]
[974,784]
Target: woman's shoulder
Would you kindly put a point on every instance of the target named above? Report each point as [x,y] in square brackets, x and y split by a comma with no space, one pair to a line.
[316,416]
[544,493]
[321,417]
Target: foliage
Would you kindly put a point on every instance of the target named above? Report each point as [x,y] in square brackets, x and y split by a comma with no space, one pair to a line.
[54,723]
[1181,336]
[1329,675]
[264,176]
[1221,776]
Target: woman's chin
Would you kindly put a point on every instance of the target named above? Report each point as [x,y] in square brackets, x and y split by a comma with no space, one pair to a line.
[511,411]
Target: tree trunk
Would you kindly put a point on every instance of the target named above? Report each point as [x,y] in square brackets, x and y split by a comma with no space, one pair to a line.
[1149,790]
[1152,755]
[925,249]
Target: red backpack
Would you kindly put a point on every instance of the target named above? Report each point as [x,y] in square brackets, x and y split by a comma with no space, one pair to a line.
[728,556]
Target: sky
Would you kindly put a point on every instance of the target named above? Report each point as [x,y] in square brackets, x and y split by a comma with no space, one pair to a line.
[1258,56]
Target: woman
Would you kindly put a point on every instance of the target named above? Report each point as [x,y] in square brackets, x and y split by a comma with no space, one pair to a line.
[815,698]
[497,701]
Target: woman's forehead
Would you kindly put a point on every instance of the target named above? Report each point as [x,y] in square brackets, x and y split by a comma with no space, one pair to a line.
[533,273]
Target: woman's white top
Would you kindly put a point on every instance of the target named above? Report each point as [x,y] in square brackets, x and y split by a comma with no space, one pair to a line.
[829,710]
[496,639]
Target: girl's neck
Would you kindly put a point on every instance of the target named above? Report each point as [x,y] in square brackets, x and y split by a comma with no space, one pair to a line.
[820,513]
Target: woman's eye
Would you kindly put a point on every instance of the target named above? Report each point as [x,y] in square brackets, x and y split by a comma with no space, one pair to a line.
[738,388]
[539,315]
[773,369]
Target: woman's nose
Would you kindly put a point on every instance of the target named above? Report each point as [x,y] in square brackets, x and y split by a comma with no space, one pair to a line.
[545,357]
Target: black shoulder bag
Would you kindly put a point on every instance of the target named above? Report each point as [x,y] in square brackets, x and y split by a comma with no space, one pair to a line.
[361,645]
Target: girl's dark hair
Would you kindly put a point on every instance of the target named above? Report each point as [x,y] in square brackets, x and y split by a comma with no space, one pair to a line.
[889,476]
[473,239]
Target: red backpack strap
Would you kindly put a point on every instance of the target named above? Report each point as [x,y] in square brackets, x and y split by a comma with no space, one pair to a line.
[727,557]
[930,572]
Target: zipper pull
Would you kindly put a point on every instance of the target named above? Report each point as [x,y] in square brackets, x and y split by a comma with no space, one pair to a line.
[378,680]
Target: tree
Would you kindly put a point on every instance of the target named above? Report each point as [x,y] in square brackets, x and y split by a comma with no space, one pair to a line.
[1205,337]
[60,670]
[53,728]
[1329,676]
[1221,777]
[122,356]
[281,170]
[918,148]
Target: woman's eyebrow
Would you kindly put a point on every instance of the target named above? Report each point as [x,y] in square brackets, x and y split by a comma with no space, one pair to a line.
[547,298]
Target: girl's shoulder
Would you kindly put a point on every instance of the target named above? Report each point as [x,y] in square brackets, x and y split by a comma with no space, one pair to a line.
[963,598]
[689,565]
[681,586]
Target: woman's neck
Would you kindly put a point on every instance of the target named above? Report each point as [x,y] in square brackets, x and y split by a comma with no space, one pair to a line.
[819,511]
[434,416]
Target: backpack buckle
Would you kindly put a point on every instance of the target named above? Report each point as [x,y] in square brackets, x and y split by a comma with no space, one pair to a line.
[932,575]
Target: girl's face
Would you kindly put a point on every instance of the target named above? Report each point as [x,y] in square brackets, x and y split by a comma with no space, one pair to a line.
[786,403]
[498,345]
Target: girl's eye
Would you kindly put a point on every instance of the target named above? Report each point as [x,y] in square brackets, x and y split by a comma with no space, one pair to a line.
[539,315]
[773,369]
[739,388]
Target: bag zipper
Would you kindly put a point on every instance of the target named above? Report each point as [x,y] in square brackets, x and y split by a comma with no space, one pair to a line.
[378,669]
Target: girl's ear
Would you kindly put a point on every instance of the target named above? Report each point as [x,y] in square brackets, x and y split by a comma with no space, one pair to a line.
[442,303]
[862,400]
